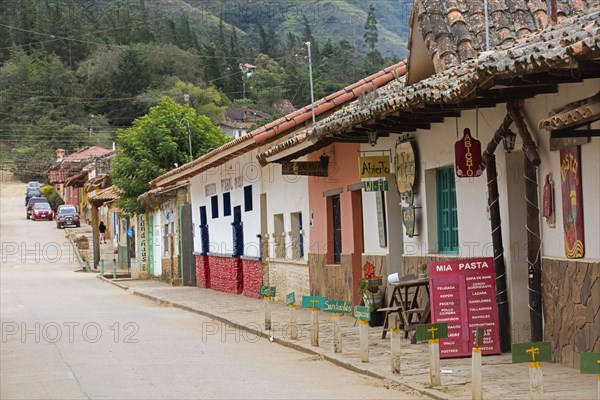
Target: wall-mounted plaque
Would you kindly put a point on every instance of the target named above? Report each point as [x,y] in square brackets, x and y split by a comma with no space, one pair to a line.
[406,165]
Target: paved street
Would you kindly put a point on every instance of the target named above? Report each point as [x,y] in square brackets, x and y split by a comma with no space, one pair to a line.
[68,335]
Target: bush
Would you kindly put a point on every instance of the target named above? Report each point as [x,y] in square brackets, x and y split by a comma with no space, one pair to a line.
[53,197]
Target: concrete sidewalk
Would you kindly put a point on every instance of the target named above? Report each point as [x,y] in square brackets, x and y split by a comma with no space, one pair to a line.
[501,378]
[108,251]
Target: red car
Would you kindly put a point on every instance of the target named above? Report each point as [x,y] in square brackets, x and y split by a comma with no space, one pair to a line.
[67,215]
[42,211]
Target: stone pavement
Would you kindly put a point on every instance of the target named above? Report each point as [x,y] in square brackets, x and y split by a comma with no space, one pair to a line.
[242,318]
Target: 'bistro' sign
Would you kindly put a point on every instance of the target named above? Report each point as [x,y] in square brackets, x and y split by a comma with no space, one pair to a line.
[467,156]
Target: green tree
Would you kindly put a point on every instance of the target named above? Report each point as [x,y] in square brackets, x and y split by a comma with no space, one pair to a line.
[371,36]
[156,143]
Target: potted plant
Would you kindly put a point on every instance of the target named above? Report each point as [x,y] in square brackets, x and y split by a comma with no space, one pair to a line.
[82,242]
[369,290]
[423,271]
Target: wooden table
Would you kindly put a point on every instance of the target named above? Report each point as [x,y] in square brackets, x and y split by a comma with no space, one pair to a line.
[405,302]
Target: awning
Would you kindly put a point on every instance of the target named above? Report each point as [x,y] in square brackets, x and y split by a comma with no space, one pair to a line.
[77,180]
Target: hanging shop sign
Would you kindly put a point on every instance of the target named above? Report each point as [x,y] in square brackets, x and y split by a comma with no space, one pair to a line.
[467,156]
[373,166]
[463,294]
[309,168]
[561,143]
[406,165]
[572,201]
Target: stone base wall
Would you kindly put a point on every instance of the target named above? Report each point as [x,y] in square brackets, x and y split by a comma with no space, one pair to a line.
[252,277]
[289,277]
[202,272]
[225,274]
[571,300]
[166,264]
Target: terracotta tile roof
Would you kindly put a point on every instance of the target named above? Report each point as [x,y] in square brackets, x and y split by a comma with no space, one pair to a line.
[573,114]
[557,46]
[454,30]
[86,153]
[282,125]
[108,194]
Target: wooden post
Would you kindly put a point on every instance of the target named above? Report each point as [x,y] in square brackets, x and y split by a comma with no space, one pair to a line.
[293,323]
[494,206]
[476,384]
[395,342]
[337,333]
[434,362]
[95,237]
[364,340]
[267,302]
[536,389]
[314,327]
[534,271]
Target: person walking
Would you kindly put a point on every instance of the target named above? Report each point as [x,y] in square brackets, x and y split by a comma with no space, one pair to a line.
[102,229]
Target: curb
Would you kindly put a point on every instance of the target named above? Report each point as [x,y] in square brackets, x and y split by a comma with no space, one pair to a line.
[282,342]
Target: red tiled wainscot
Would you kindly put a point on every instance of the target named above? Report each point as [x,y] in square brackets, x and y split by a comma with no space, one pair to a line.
[253,277]
[225,274]
[202,272]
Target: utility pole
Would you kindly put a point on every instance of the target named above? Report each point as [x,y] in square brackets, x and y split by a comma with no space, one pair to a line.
[186,98]
[312,95]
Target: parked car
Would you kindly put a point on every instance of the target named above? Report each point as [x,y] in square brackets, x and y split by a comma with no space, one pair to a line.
[34,185]
[67,215]
[42,211]
[33,201]
[32,192]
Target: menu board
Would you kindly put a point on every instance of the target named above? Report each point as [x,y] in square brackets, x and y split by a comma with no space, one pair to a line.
[463,294]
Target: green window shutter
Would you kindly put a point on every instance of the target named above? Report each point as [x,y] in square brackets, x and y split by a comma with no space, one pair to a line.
[446,210]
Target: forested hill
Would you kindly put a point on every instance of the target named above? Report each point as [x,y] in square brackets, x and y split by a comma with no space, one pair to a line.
[72,72]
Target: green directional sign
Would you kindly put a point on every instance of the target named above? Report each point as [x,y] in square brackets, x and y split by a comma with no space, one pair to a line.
[589,363]
[290,298]
[432,331]
[337,306]
[313,301]
[267,291]
[362,313]
[531,352]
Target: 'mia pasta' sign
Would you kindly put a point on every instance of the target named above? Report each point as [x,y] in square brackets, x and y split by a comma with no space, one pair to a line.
[463,295]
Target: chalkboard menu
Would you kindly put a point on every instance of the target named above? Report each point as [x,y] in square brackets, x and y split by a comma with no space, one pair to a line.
[463,294]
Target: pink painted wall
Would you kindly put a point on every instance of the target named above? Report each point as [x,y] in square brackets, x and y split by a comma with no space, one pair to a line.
[343,171]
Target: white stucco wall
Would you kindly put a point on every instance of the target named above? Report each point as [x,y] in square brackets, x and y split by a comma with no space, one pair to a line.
[241,171]
[286,194]
[394,228]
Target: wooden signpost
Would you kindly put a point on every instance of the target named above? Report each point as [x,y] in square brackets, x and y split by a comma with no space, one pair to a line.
[290,301]
[589,363]
[433,333]
[533,353]
[267,293]
[336,308]
[314,303]
[395,339]
[476,384]
[363,315]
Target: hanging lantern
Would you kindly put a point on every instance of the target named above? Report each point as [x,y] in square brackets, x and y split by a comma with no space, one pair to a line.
[508,141]
[467,156]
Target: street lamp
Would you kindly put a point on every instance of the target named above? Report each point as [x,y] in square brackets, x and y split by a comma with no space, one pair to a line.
[186,98]
[189,135]
[312,95]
